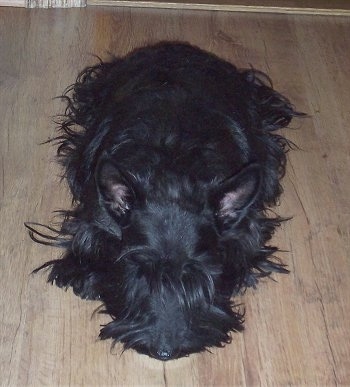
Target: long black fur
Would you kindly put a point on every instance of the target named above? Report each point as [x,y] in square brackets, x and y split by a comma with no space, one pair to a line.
[173,161]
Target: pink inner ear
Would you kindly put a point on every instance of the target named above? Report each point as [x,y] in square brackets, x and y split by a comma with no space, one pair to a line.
[119,194]
[230,202]
[226,204]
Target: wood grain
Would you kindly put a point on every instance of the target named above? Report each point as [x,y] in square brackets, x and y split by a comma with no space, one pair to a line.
[297,330]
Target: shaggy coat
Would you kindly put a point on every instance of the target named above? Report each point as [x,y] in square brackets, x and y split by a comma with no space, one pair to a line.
[173,159]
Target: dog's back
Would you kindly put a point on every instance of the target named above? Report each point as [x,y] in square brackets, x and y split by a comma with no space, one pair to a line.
[179,99]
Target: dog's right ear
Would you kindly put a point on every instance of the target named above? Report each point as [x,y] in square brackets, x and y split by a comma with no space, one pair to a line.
[114,188]
[235,195]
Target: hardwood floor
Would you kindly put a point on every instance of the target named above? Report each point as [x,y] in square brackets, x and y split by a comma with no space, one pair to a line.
[297,329]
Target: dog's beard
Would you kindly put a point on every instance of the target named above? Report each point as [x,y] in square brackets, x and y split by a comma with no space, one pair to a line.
[165,316]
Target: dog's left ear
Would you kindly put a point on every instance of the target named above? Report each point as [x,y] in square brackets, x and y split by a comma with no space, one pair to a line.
[114,188]
[236,194]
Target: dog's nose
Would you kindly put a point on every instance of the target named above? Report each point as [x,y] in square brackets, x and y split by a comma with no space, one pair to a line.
[164,354]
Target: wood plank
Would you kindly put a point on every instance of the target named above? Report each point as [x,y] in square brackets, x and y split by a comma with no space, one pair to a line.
[303,7]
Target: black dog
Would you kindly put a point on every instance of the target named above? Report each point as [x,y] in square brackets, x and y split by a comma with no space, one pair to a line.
[172,160]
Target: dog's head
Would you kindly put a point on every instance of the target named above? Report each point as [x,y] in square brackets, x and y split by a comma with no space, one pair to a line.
[166,289]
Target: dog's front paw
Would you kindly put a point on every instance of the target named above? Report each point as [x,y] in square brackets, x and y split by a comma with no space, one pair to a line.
[83,281]
[86,287]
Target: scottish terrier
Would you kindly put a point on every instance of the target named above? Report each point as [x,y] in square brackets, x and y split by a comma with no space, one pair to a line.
[173,162]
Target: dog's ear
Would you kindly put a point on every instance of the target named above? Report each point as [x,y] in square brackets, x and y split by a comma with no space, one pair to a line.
[114,188]
[236,194]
